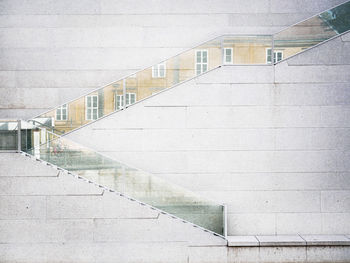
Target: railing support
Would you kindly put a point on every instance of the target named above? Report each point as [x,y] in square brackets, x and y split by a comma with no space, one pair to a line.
[225,220]
[19,142]
[124,94]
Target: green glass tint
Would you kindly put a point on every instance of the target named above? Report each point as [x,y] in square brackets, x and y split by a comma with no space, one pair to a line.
[131,182]
[8,135]
[312,31]
[147,82]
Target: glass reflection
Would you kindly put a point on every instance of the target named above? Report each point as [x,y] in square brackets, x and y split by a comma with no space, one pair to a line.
[131,182]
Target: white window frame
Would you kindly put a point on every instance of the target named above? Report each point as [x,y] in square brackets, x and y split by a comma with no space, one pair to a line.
[274,56]
[225,56]
[120,98]
[156,70]
[60,110]
[201,64]
[92,107]
[128,98]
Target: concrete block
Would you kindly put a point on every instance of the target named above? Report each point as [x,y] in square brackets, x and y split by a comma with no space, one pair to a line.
[302,6]
[75,79]
[260,116]
[320,94]
[191,139]
[114,21]
[7,79]
[88,252]
[335,223]
[239,74]
[242,241]
[268,201]
[234,161]
[14,164]
[111,7]
[308,116]
[335,201]
[62,185]
[44,7]
[312,138]
[243,254]
[281,241]
[162,229]
[109,205]
[20,113]
[207,254]
[328,254]
[22,207]
[229,117]
[334,52]
[301,223]
[282,254]
[311,74]
[27,98]
[272,19]
[345,37]
[174,252]
[82,58]
[192,94]
[149,117]
[259,181]
[46,231]
[326,240]
[44,252]
[243,224]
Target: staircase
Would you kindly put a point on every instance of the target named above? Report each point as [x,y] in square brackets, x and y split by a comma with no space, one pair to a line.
[41,136]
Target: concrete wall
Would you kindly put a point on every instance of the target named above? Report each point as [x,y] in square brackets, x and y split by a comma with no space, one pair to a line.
[49,216]
[54,51]
[271,142]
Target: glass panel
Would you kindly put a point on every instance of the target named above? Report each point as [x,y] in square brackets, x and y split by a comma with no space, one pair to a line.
[155,79]
[131,182]
[8,135]
[313,31]
[248,49]
[58,115]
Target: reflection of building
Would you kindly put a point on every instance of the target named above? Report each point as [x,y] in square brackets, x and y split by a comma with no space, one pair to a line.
[227,50]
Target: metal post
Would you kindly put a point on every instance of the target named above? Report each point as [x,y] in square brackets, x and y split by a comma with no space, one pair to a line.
[19,135]
[225,220]
[124,93]
[273,51]
[222,51]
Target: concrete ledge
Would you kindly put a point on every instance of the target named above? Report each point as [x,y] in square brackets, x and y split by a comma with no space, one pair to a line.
[242,241]
[288,240]
[328,240]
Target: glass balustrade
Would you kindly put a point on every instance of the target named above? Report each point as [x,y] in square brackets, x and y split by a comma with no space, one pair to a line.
[312,31]
[39,141]
[9,135]
[187,65]
[224,50]
[131,182]
[40,137]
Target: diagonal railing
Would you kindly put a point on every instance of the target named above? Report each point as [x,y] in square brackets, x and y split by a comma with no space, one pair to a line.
[39,138]
[129,182]
[224,50]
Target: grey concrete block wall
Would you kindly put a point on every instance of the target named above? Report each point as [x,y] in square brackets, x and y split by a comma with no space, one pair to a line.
[54,51]
[271,142]
[47,216]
